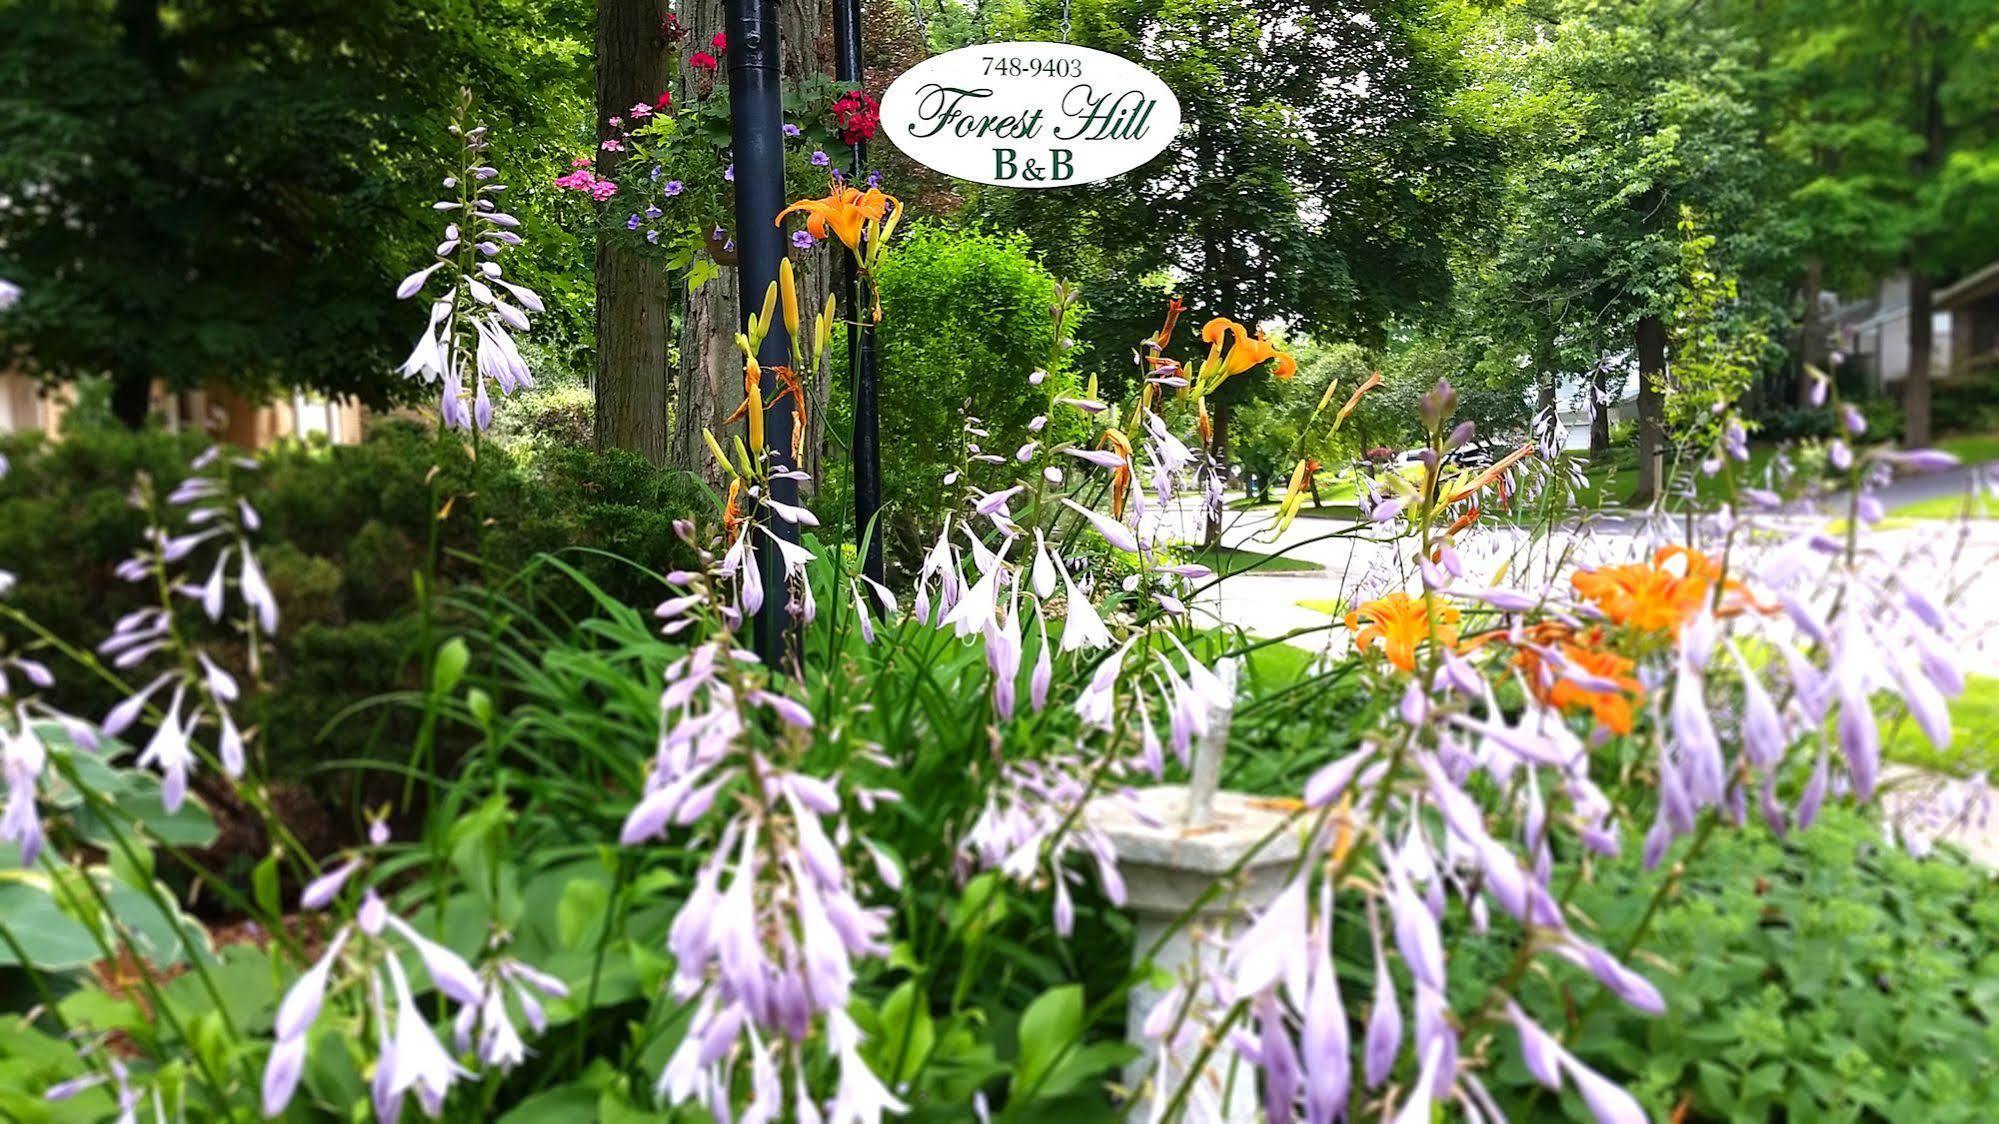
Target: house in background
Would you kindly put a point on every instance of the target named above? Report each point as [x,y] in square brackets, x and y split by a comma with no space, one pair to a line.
[218,411]
[25,406]
[1572,405]
[1875,334]
[1973,307]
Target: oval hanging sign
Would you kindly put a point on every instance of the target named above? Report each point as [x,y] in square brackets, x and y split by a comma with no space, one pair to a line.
[1030,114]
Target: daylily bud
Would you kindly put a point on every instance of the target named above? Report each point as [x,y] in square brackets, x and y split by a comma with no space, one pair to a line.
[787,289]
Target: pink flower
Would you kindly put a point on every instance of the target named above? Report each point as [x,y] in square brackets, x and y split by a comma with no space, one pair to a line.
[612,144]
[641,111]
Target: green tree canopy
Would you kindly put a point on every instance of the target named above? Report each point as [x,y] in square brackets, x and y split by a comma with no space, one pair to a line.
[201,192]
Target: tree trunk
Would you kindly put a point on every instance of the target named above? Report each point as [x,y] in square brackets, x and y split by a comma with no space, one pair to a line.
[144,41]
[1599,415]
[1922,344]
[710,378]
[1651,409]
[1922,339]
[633,292]
[710,384]
[1211,534]
[131,399]
[1546,410]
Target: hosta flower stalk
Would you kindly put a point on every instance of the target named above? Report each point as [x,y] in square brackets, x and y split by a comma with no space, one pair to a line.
[469,340]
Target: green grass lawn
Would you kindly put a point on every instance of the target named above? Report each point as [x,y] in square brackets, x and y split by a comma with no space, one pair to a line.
[1331,606]
[1338,497]
[1950,507]
[1972,448]
[1235,560]
[1974,734]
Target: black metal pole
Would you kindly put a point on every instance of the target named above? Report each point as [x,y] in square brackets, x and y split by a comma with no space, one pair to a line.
[756,124]
[861,341]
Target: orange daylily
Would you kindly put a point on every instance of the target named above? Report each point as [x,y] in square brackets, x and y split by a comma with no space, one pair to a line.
[1611,708]
[1401,622]
[1117,442]
[732,510]
[1656,596]
[1246,351]
[845,213]
[1173,310]
[1373,380]
[789,386]
[1484,479]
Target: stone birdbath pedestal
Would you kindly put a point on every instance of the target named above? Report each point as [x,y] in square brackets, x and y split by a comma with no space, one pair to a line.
[1175,844]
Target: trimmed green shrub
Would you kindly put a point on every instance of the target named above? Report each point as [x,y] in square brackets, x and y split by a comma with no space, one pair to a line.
[967,321]
[347,536]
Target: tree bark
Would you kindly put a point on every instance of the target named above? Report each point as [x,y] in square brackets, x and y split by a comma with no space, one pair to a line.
[1545,380]
[709,383]
[1922,340]
[1922,344]
[1651,409]
[634,312]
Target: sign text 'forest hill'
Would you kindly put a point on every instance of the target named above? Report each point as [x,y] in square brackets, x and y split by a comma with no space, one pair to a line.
[1087,115]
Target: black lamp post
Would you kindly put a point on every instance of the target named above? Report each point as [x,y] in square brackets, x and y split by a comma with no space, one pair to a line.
[861,341]
[756,123]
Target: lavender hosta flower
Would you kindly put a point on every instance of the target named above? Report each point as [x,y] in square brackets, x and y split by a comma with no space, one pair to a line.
[468,339]
[415,1059]
[22,758]
[1113,531]
[486,1028]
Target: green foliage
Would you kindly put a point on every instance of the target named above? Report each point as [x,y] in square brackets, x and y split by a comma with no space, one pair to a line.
[1831,977]
[218,191]
[1716,350]
[351,529]
[1314,181]
[967,320]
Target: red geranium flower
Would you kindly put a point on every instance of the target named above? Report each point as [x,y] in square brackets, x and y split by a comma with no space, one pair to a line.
[702,60]
[720,42]
[858,116]
[664,102]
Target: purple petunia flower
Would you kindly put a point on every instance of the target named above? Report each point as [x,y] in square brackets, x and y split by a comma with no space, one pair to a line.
[820,159]
[673,188]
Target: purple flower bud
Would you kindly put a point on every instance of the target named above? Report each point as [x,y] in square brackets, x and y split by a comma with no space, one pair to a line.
[1538,1049]
[1326,785]
[1813,797]
[1634,989]
[1607,1103]
[1852,420]
[1924,460]
[320,892]
[281,1074]
[1384,1028]
[302,1002]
